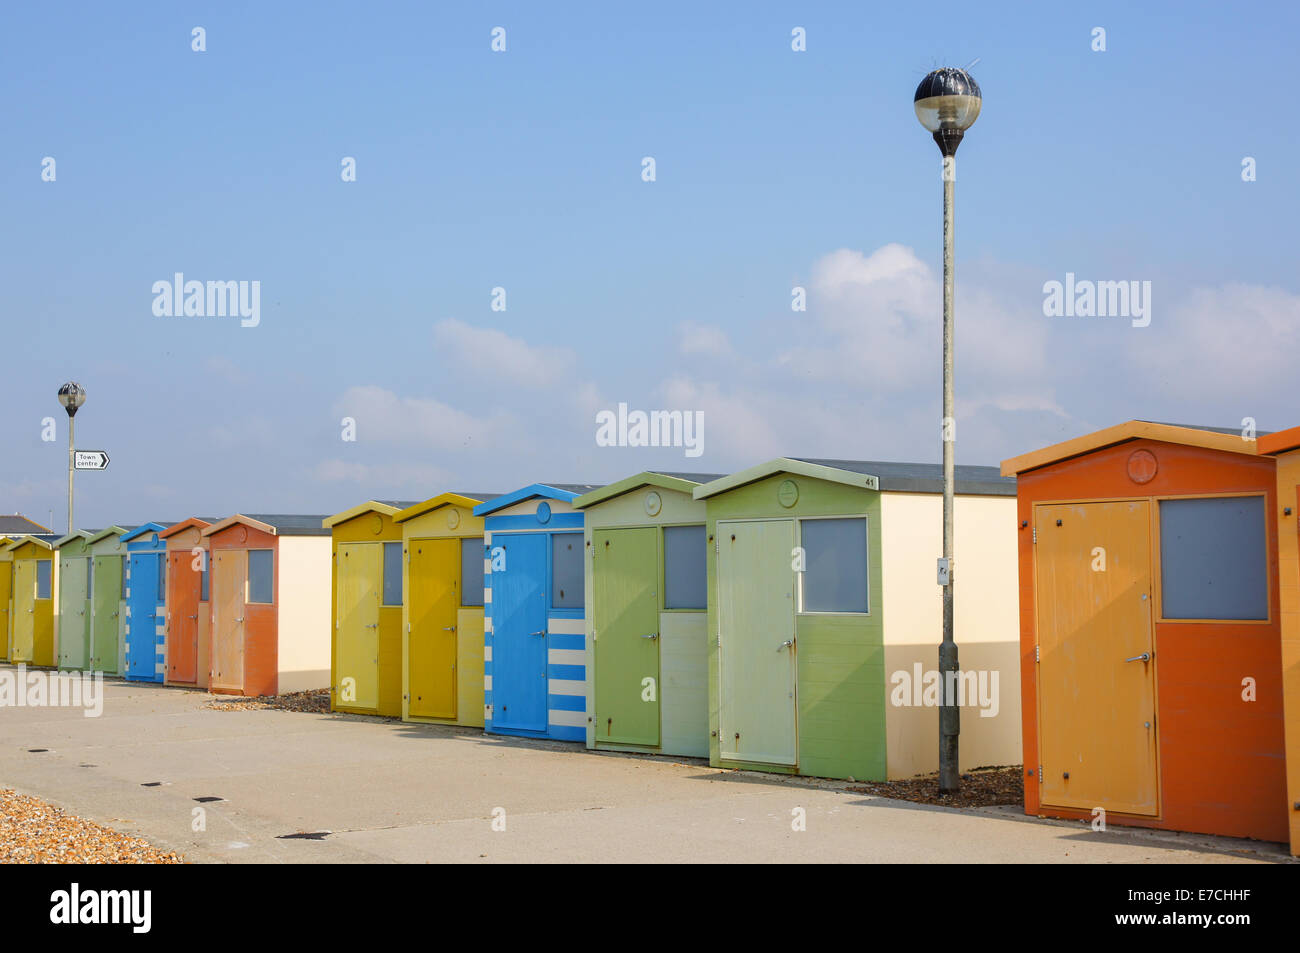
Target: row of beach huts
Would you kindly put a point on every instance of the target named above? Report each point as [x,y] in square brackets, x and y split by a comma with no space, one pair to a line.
[1127,613]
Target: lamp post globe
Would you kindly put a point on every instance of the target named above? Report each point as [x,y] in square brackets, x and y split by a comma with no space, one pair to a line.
[947,103]
[72,395]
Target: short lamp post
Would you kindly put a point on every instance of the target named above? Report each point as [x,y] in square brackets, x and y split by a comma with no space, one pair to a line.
[947,103]
[71,395]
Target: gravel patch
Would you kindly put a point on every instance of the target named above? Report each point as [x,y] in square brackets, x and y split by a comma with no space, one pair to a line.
[316,702]
[33,832]
[983,787]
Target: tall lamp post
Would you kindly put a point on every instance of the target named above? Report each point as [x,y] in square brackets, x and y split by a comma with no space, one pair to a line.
[947,103]
[71,395]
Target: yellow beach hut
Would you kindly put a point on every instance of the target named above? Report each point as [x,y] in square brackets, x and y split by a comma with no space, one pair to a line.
[366,609]
[442,614]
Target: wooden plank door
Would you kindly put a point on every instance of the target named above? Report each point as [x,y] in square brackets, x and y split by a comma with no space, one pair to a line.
[228,590]
[756,635]
[434,595]
[183,587]
[356,633]
[1096,675]
[24,638]
[105,609]
[520,598]
[72,616]
[625,619]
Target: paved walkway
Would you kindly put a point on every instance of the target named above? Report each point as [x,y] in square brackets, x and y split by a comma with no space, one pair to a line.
[386,791]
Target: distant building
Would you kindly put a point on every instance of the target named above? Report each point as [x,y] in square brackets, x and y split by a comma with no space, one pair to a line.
[16,525]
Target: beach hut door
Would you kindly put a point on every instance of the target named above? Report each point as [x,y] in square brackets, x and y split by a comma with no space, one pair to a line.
[72,629]
[519,632]
[357,635]
[756,635]
[1096,673]
[104,615]
[626,622]
[435,597]
[228,579]
[142,625]
[183,617]
[24,610]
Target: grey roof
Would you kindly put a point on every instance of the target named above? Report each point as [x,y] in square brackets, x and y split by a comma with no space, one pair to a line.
[16,525]
[1232,431]
[925,477]
[692,477]
[476,495]
[578,488]
[399,504]
[292,524]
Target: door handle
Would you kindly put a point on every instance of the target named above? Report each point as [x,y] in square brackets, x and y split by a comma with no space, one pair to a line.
[785,645]
[450,628]
[1144,657]
[193,617]
[240,619]
[542,632]
[652,635]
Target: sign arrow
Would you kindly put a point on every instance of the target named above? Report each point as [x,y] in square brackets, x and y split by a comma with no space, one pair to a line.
[90,460]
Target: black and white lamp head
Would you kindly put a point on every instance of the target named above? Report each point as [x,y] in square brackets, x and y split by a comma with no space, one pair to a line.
[947,103]
[72,395]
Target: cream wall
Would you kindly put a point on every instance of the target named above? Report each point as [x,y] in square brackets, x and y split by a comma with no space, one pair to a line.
[986,625]
[303,621]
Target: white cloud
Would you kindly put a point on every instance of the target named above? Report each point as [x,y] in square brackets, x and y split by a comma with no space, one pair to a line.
[386,417]
[508,359]
[705,339]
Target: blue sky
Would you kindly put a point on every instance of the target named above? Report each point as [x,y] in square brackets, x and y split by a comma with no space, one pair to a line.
[522,170]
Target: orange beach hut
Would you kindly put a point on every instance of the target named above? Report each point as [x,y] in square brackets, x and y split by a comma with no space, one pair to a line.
[1151,670]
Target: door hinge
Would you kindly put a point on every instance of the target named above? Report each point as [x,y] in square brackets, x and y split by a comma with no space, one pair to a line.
[1040,774]
[1035,534]
[717,551]
[1036,653]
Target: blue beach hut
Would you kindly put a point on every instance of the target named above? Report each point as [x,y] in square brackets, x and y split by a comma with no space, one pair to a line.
[146,595]
[534,642]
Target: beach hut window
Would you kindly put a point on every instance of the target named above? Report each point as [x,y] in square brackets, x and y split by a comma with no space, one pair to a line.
[566,571]
[162,578]
[90,578]
[203,579]
[260,571]
[471,572]
[686,580]
[835,574]
[125,580]
[392,574]
[43,568]
[1213,558]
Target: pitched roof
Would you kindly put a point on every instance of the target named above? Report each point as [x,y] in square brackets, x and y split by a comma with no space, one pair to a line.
[568,492]
[1227,439]
[16,525]
[386,507]
[880,475]
[85,535]
[454,498]
[196,522]
[1279,442]
[684,482]
[277,524]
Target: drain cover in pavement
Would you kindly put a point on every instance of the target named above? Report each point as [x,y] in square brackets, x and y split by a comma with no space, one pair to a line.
[314,835]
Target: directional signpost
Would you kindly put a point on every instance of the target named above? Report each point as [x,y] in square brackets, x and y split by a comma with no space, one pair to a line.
[91,460]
